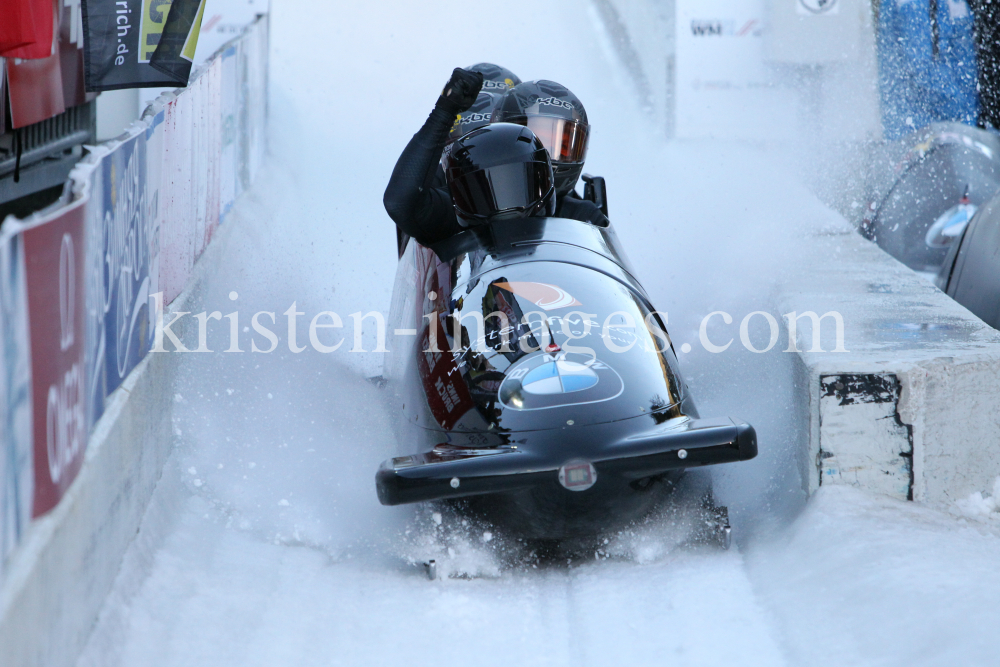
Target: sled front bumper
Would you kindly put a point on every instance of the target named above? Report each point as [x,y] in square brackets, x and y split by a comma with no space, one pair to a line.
[697,442]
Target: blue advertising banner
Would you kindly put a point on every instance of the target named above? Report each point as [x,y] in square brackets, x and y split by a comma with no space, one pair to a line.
[94,358]
[927,64]
[129,244]
[16,469]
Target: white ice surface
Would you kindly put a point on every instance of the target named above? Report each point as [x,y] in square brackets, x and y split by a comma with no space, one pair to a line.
[265,544]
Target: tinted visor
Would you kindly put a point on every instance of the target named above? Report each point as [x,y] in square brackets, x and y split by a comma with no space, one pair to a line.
[565,140]
[505,187]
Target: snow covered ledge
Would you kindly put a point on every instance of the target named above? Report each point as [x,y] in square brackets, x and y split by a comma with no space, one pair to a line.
[912,408]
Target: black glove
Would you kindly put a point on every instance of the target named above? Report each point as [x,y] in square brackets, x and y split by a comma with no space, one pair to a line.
[461,91]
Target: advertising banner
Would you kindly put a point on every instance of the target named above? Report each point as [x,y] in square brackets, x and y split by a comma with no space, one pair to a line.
[207,147]
[245,124]
[26,29]
[174,54]
[154,194]
[987,34]
[139,43]
[927,64]
[447,394]
[255,99]
[75,316]
[36,86]
[71,53]
[195,103]
[177,232]
[3,96]
[54,266]
[129,251]
[230,121]
[724,87]
[120,38]
[213,128]
[17,485]
[96,340]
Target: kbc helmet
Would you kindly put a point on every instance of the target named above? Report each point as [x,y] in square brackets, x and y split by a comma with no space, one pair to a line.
[495,78]
[557,118]
[499,172]
[476,116]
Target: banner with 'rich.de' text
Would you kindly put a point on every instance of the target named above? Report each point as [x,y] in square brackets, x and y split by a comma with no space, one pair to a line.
[140,43]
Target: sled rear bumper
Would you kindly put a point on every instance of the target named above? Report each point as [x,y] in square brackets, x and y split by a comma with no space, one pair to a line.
[699,442]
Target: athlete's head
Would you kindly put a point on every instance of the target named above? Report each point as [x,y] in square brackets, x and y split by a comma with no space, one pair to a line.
[496,81]
[495,78]
[499,172]
[476,116]
[557,118]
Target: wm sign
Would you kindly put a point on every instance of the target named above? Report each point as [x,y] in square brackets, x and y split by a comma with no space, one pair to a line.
[719,28]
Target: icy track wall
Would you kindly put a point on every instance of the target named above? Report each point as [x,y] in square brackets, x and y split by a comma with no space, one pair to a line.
[911,408]
[84,416]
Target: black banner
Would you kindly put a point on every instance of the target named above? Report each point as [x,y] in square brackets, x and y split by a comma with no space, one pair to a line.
[127,43]
[175,52]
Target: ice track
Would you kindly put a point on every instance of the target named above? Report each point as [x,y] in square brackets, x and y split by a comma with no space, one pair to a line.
[264,543]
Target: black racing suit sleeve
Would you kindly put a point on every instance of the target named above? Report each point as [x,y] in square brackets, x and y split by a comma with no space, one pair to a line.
[574,208]
[411,199]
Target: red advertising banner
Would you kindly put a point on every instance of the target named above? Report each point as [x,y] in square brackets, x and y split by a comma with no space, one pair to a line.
[54,266]
[71,54]
[3,95]
[26,28]
[36,90]
[36,86]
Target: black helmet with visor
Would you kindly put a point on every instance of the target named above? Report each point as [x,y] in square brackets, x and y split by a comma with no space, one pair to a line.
[557,118]
[499,172]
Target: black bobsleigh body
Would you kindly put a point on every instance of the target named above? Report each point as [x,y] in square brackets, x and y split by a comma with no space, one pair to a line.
[925,188]
[971,271]
[536,381]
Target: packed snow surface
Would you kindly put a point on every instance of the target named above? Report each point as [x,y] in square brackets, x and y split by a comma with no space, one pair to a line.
[265,544]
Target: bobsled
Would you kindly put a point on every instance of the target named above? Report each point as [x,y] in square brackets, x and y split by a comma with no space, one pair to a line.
[971,271]
[537,384]
[925,188]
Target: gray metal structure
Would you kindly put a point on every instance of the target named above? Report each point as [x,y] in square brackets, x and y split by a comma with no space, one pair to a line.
[35,161]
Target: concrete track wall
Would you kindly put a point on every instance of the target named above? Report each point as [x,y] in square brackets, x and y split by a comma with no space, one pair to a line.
[911,409]
[61,572]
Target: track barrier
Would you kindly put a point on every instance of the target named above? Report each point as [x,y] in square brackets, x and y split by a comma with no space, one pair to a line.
[912,410]
[84,423]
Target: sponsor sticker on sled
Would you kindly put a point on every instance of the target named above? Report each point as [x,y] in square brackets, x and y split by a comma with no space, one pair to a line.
[549,381]
[447,395]
[545,296]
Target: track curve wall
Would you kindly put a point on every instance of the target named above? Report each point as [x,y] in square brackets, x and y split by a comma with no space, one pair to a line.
[85,419]
[910,407]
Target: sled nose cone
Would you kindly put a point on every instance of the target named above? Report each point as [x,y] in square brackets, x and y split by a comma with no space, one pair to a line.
[746,441]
